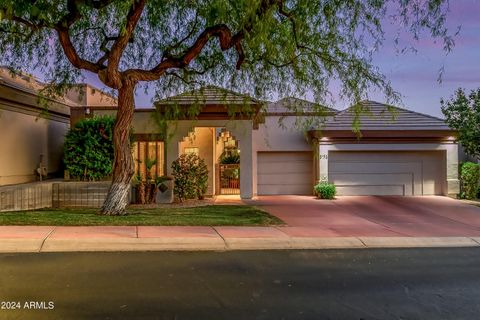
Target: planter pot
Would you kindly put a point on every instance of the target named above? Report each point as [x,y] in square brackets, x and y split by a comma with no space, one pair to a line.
[165,192]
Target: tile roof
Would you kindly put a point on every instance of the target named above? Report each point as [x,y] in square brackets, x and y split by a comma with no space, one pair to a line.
[27,83]
[209,95]
[379,116]
[295,105]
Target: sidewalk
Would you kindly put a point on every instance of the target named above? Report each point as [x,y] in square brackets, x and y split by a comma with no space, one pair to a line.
[162,238]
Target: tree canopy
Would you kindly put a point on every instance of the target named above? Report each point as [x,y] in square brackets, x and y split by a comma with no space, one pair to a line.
[262,47]
[462,113]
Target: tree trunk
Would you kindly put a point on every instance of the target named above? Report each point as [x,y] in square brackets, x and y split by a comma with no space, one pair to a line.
[118,195]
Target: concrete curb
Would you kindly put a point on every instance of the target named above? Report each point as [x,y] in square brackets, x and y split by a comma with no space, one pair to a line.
[132,244]
[228,244]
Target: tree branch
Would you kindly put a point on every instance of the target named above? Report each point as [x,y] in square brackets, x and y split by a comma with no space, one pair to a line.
[221,31]
[122,41]
[72,54]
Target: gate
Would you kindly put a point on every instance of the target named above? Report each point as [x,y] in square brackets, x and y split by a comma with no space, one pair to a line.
[229,178]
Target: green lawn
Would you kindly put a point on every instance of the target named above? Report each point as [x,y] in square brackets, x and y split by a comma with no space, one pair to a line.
[198,216]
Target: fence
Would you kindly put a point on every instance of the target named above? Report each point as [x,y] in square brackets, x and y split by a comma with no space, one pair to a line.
[229,179]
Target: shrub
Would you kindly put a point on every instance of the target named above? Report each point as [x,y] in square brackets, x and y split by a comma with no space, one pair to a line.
[470,177]
[325,190]
[230,158]
[191,177]
[88,149]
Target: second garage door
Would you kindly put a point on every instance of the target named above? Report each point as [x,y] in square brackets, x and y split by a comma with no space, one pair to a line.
[285,173]
[387,173]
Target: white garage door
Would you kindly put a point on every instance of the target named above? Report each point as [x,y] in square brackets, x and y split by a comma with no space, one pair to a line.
[285,173]
[387,173]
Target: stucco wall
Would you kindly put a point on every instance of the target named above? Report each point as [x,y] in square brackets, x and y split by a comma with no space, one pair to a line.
[271,136]
[202,138]
[87,95]
[24,137]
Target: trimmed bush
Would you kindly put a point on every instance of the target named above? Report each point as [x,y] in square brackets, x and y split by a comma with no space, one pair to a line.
[191,177]
[470,177]
[88,149]
[230,158]
[325,190]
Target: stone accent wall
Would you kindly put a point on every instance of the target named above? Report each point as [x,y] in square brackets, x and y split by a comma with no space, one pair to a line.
[52,194]
[79,194]
[27,196]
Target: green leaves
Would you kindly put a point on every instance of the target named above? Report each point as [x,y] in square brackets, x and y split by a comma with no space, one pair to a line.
[325,190]
[462,113]
[88,149]
[470,177]
[191,177]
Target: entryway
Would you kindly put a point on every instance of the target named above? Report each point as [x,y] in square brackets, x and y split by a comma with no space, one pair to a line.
[219,149]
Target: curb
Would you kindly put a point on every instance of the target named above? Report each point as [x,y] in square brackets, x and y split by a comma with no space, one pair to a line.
[17,245]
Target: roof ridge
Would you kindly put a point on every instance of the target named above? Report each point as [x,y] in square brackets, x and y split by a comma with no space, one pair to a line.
[403,109]
[214,90]
[307,101]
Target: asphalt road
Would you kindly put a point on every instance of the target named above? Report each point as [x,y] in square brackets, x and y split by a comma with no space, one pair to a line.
[329,284]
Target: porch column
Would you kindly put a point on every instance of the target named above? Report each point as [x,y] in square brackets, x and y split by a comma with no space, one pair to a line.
[453,184]
[243,133]
[175,133]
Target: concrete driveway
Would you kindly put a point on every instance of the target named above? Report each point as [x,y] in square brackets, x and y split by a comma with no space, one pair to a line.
[374,216]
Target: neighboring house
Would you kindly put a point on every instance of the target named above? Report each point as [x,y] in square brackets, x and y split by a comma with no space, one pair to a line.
[32,136]
[413,154]
[29,135]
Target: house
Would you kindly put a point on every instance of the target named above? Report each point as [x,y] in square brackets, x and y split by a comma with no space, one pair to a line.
[30,137]
[32,131]
[400,152]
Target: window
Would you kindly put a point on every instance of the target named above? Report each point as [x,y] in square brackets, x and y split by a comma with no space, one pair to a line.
[191,150]
[148,150]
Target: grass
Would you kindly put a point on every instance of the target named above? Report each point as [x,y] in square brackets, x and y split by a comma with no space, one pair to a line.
[220,215]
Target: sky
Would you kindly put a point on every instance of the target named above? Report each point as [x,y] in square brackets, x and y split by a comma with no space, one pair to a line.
[414,74]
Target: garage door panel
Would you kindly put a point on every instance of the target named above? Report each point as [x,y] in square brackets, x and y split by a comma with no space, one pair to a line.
[374,184]
[372,190]
[376,167]
[286,167]
[284,173]
[300,189]
[387,173]
[271,157]
[296,178]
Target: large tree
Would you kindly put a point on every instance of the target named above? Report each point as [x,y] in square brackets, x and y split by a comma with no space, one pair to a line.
[462,113]
[260,46]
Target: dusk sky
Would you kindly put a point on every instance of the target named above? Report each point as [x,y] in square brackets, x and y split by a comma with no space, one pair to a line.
[414,75]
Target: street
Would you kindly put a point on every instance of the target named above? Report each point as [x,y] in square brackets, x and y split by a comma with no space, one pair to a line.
[318,284]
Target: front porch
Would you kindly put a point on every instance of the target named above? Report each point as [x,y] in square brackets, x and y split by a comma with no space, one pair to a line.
[221,127]
[217,143]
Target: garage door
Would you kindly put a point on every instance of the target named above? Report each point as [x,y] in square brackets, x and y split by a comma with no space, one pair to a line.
[284,173]
[387,173]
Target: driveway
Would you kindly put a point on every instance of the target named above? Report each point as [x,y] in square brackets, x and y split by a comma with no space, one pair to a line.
[374,216]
